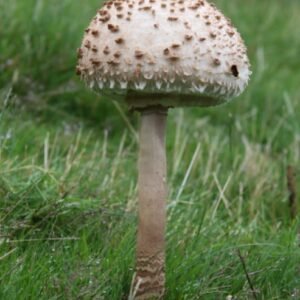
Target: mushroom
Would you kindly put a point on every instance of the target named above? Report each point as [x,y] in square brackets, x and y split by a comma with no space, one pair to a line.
[192,56]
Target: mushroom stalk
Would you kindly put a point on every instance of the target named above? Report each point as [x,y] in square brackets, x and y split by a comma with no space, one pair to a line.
[152,192]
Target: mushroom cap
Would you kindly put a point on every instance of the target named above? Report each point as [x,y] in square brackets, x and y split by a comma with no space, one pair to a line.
[167,52]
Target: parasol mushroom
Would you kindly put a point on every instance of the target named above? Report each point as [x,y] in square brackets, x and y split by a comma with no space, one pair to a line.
[156,55]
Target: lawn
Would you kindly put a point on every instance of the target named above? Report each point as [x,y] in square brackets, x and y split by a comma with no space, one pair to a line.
[68,167]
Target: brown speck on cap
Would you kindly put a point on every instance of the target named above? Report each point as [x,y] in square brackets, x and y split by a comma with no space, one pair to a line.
[87,30]
[230,33]
[113,62]
[119,16]
[95,49]
[202,39]
[145,8]
[105,18]
[95,33]
[79,53]
[117,54]
[113,28]
[187,25]
[172,19]
[163,5]
[102,12]
[95,62]
[87,44]
[119,41]
[156,26]
[175,46]
[78,70]
[174,58]
[166,51]
[213,35]
[188,37]
[216,62]
[138,54]
[106,50]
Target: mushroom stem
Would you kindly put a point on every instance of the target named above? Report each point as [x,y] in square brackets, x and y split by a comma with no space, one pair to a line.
[152,192]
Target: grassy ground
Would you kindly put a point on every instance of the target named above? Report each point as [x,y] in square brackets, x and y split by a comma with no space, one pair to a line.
[68,167]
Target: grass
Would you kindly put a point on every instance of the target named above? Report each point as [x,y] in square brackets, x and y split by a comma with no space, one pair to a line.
[68,167]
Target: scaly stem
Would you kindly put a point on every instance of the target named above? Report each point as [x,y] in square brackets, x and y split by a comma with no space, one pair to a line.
[152,191]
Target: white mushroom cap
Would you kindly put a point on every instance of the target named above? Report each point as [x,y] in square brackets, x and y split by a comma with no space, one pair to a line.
[183,51]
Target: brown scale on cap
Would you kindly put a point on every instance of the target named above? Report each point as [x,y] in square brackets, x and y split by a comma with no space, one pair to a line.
[145,8]
[95,62]
[106,50]
[202,39]
[79,53]
[172,19]
[166,51]
[120,16]
[87,44]
[102,12]
[156,26]
[163,5]
[95,33]
[138,54]
[182,9]
[216,62]
[175,46]
[117,54]
[172,10]
[78,71]
[119,41]
[187,25]
[213,35]
[113,28]
[188,37]
[95,49]
[104,18]
[230,33]
[87,30]
[113,63]
[173,58]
